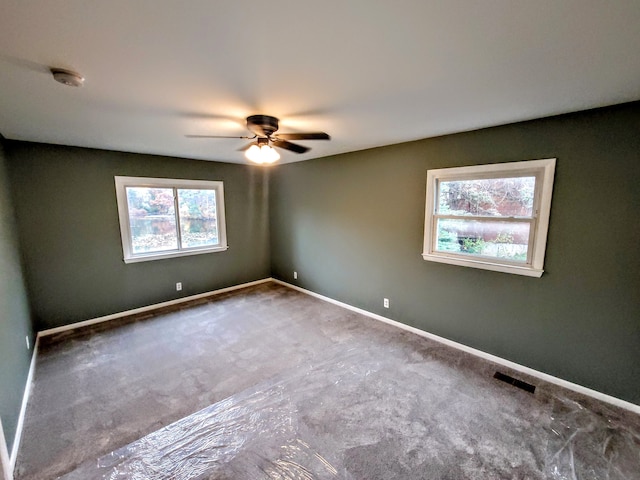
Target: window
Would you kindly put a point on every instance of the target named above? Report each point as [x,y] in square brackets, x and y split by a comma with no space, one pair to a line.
[493,217]
[164,218]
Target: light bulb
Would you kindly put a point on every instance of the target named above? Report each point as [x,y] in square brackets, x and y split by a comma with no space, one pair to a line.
[262,154]
[269,154]
[254,154]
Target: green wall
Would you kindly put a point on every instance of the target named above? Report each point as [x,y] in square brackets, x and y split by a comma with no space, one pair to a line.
[352,227]
[15,322]
[70,237]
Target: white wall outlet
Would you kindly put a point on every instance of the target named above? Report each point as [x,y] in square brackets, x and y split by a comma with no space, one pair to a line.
[28,343]
[295,275]
[385,303]
[178,286]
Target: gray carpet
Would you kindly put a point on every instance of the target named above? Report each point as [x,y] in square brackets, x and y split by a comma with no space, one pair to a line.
[269,383]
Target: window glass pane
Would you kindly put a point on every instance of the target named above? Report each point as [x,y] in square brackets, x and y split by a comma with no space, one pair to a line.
[494,197]
[198,220]
[152,219]
[504,240]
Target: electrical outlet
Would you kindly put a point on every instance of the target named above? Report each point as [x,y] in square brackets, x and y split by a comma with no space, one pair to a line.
[295,275]
[178,286]
[385,303]
[28,343]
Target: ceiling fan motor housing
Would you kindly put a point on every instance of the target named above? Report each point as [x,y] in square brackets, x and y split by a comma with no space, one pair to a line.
[262,125]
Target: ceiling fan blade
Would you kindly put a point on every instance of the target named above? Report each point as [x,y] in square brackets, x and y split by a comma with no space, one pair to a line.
[304,136]
[246,147]
[213,136]
[294,147]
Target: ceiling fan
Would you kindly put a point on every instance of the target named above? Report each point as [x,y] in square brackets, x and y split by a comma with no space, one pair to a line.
[264,128]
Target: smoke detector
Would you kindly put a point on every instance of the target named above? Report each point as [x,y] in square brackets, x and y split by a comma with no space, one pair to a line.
[67,77]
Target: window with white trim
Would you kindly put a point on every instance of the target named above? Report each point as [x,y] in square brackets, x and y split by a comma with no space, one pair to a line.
[164,218]
[493,217]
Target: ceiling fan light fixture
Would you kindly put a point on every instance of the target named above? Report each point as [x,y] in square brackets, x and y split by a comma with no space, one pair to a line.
[262,154]
[264,128]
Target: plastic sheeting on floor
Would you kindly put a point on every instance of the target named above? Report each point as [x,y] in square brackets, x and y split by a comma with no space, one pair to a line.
[587,446]
[255,434]
[323,420]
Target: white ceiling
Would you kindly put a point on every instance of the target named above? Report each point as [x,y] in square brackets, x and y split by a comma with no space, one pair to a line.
[367,72]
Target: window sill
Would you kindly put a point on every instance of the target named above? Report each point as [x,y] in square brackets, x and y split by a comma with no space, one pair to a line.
[173,254]
[485,265]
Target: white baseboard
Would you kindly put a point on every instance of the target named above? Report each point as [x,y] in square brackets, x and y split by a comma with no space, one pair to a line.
[5,463]
[23,408]
[479,353]
[106,318]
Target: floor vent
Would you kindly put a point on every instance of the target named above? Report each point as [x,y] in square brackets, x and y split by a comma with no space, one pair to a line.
[515,382]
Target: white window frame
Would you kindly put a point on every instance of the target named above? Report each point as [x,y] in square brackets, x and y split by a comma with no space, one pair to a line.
[125,229]
[544,171]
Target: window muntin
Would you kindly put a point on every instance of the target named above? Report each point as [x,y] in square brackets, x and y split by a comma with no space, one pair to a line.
[163,218]
[490,216]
